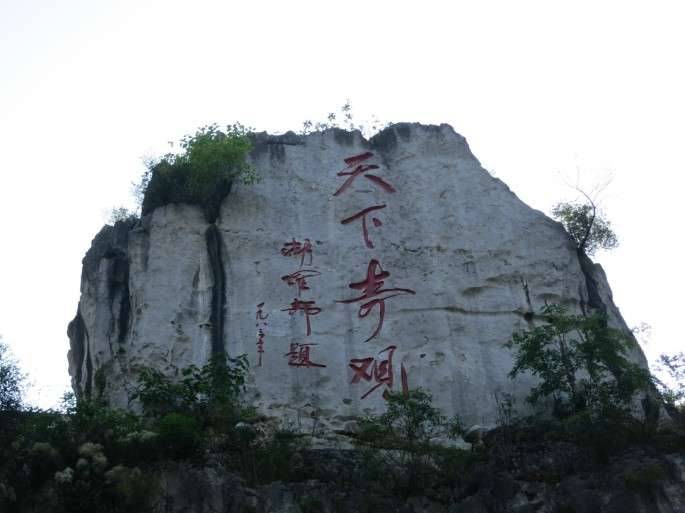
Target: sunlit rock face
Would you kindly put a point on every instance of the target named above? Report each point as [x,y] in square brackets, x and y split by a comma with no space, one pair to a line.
[353,268]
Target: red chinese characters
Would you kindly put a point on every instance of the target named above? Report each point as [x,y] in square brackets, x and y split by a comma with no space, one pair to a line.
[297,248]
[260,345]
[299,279]
[306,307]
[260,317]
[299,355]
[373,293]
[362,215]
[381,372]
[355,168]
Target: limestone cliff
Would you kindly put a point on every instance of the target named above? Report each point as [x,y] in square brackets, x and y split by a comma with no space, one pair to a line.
[352,268]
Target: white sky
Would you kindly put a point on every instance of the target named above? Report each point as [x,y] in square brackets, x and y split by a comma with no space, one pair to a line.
[539,89]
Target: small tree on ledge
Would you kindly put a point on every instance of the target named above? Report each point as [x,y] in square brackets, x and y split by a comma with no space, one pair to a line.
[586,225]
[585,222]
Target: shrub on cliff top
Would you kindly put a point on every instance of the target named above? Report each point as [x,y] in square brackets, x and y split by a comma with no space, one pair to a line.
[202,173]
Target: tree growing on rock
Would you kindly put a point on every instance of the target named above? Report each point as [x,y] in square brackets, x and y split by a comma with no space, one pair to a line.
[586,225]
[580,361]
[210,161]
[672,388]
[11,381]
[585,222]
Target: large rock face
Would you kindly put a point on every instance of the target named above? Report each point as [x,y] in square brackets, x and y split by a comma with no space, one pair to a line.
[353,268]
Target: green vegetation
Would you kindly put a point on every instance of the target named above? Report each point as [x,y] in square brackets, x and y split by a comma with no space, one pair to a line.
[202,173]
[199,392]
[673,388]
[410,421]
[594,390]
[581,363]
[95,458]
[121,214]
[405,447]
[11,381]
[644,477]
[88,457]
[346,120]
[586,225]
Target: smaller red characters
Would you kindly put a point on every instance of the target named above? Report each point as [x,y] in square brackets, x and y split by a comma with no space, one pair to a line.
[299,279]
[306,307]
[379,371]
[261,322]
[299,355]
[355,168]
[260,346]
[261,316]
[296,248]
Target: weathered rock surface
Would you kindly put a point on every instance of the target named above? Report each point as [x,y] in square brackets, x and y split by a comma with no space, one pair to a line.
[540,477]
[453,262]
[547,480]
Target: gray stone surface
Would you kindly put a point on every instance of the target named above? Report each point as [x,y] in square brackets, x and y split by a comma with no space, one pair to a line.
[477,259]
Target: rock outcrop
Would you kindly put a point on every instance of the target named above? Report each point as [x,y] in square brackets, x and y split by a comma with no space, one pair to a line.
[352,268]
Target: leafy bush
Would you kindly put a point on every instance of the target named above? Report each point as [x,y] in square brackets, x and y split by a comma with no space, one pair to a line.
[580,361]
[409,421]
[210,394]
[95,421]
[644,477]
[121,214]
[130,490]
[180,436]
[11,381]
[400,450]
[264,457]
[202,174]
[672,389]
[11,404]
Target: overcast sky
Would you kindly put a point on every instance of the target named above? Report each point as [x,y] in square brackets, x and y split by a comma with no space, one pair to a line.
[539,89]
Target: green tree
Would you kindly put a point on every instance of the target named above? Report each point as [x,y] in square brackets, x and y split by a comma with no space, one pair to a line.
[409,421]
[11,381]
[586,224]
[580,361]
[212,390]
[672,389]
[121,214]
[408,427]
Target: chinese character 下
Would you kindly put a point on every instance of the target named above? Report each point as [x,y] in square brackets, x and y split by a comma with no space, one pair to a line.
[362,214]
